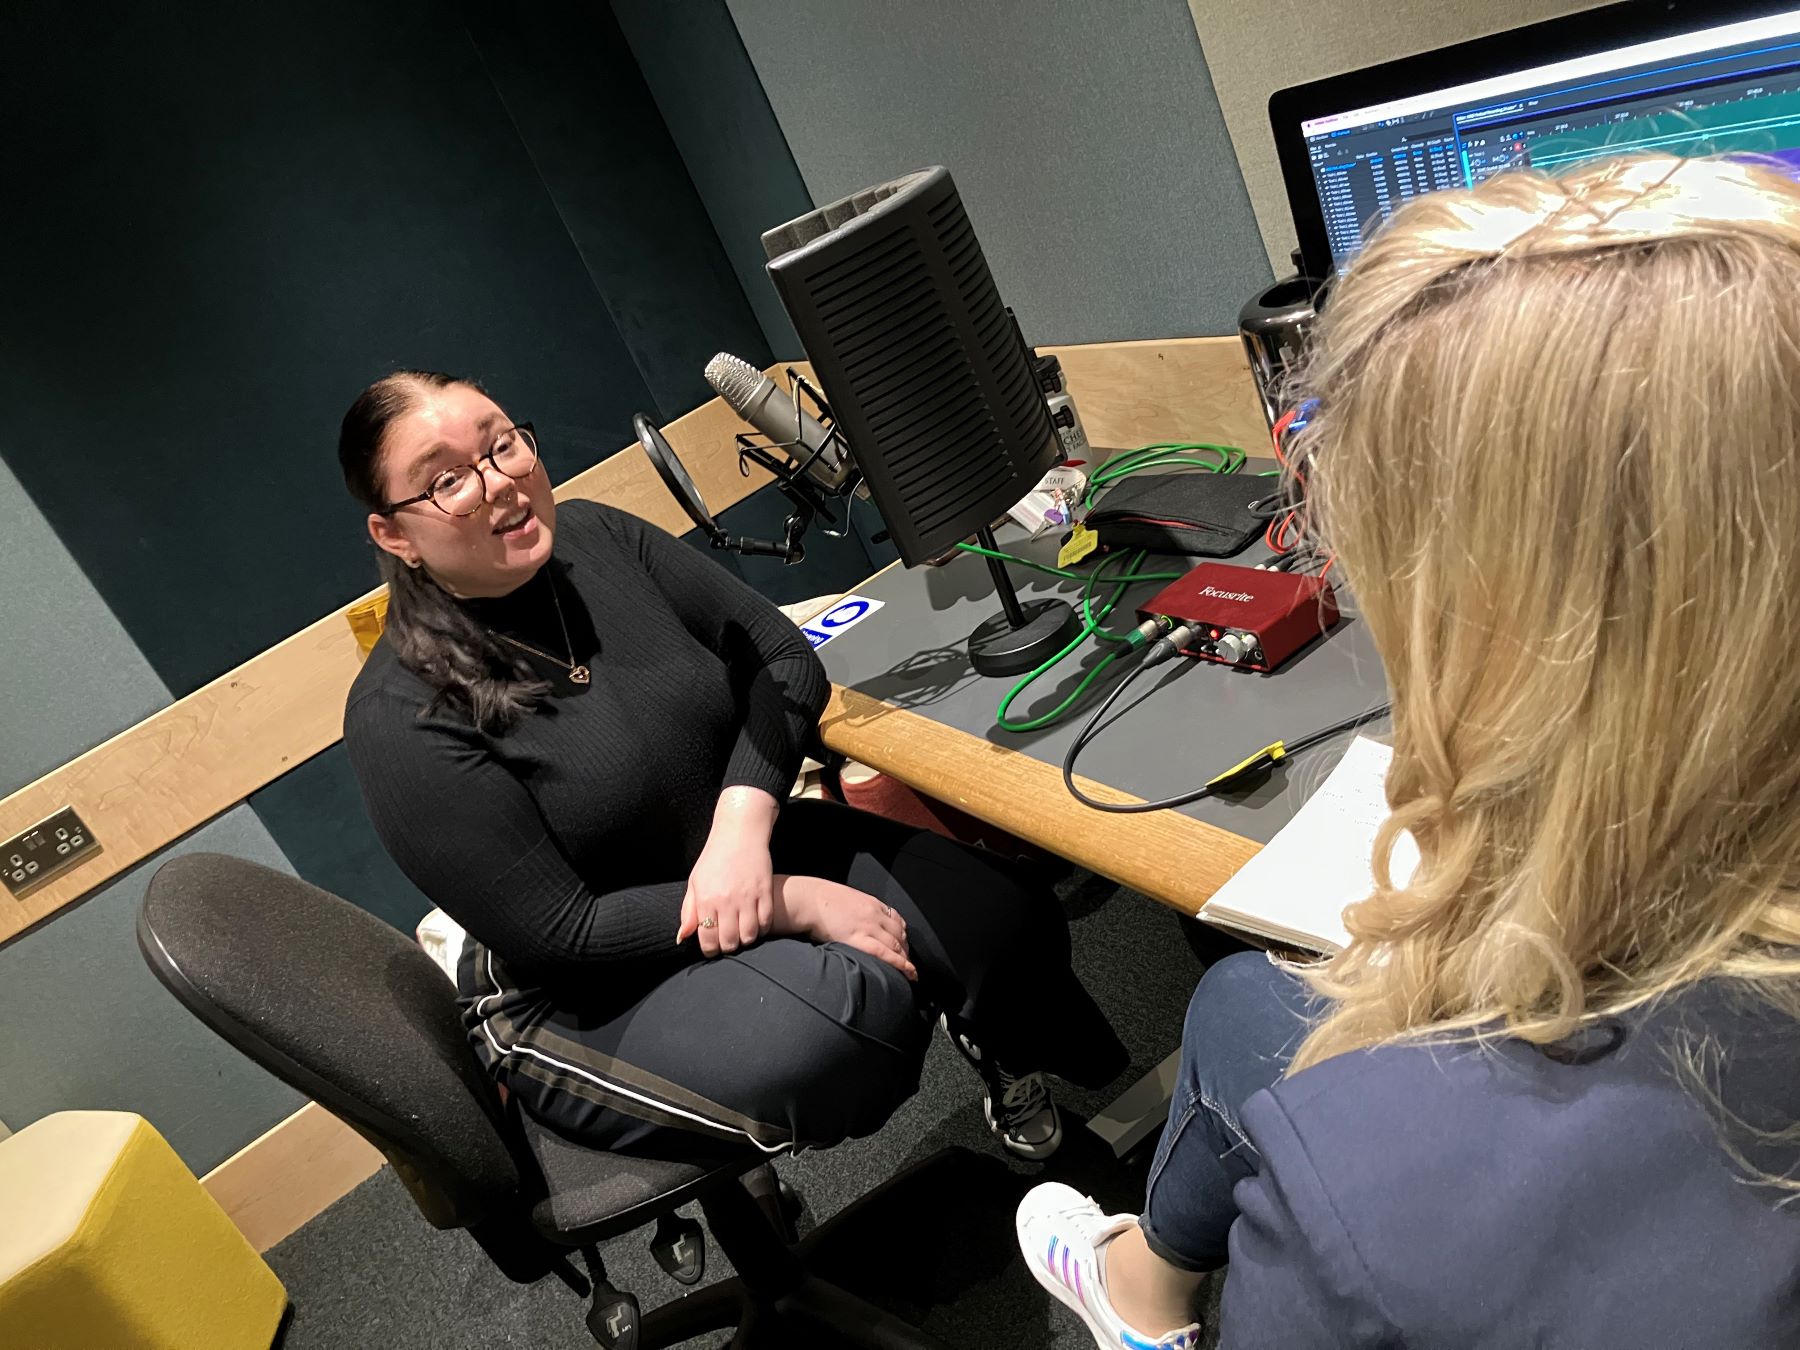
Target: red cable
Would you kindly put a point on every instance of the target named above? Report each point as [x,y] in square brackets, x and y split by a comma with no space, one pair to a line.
[1282,545]
[1280,429]
[1275,535]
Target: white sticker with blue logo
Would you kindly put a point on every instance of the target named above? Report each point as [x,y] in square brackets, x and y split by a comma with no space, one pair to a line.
[841,617]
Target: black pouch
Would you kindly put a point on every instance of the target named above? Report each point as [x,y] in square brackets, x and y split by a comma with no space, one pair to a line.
[1205,514]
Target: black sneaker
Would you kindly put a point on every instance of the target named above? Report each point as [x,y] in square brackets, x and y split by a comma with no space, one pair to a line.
[1017,1106]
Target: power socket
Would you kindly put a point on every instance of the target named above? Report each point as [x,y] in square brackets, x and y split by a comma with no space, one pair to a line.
[45,851]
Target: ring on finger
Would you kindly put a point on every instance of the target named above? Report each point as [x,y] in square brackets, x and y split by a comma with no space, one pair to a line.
[709,922]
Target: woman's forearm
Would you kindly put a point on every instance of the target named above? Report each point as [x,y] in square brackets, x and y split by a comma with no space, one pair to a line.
[745,815]
[794,906]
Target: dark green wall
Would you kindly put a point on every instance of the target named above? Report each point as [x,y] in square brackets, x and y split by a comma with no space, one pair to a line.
[713,102]
[235,216]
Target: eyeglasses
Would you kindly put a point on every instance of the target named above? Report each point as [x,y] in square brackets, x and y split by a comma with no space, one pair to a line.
[460,491]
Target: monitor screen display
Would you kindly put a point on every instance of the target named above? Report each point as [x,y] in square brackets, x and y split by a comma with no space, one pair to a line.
[1724,88]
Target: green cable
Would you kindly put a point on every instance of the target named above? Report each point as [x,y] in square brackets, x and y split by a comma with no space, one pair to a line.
[1091,628]
[1000,718]
[1107,634]
[1131,461]
[1229,460]
[1064,573]
[1087,631]
[1229,457]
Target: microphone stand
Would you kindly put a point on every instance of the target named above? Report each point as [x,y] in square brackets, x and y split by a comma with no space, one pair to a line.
[791,550]
[1003,584]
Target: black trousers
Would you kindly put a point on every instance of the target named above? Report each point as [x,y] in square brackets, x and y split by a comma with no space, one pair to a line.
[789,1043]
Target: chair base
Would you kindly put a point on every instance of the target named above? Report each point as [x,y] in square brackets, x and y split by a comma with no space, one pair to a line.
[775,1300]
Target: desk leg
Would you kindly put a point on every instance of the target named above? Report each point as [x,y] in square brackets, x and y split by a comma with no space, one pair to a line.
[1139,1111]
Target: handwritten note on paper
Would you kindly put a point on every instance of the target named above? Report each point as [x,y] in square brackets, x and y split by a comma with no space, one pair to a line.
[1295,890]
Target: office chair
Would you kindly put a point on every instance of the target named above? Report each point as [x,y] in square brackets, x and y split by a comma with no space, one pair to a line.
[339,1005]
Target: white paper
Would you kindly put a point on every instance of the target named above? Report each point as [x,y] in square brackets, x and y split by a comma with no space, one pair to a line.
[1297,887]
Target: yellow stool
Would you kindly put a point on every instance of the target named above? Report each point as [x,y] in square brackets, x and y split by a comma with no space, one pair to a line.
[109,1241]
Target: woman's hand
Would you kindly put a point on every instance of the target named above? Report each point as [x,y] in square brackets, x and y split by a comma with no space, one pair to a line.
[827,911]
[732,883]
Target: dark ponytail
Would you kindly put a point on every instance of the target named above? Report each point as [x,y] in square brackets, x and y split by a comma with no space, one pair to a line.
[432,634]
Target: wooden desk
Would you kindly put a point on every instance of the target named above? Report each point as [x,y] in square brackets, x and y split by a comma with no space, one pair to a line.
[1170,857]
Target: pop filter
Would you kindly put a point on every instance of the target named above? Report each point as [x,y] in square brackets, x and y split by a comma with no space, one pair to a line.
[675,476]
[682,488]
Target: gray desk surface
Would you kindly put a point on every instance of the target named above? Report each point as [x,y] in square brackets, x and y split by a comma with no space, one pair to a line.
[1180,726]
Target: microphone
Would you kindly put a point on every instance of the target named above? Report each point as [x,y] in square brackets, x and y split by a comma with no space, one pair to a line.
[810,461]
[819,453]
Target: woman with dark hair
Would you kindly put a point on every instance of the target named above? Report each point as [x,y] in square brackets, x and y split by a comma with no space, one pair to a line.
[576,736]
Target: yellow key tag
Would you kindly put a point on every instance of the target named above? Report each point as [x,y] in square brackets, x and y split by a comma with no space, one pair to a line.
[1082,542]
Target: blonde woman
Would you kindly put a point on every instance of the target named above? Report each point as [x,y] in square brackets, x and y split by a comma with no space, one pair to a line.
[1548,1094]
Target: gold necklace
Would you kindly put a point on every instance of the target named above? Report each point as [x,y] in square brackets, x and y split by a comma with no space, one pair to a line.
[577,674]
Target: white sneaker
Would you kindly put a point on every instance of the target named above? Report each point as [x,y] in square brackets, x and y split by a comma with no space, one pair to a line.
[1024,1119]
[1061,1232]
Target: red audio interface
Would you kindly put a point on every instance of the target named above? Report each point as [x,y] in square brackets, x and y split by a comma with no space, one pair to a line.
[1246,617]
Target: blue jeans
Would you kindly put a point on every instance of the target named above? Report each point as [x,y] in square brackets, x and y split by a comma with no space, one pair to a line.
[1244,1023]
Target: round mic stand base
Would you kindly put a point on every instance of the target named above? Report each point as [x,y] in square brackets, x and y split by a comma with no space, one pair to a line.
[1022,635]
[999,648]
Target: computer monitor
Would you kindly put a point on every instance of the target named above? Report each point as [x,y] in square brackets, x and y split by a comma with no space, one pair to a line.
[1689,77]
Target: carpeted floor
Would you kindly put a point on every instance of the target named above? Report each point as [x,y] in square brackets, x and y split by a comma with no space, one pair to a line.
[371,1273]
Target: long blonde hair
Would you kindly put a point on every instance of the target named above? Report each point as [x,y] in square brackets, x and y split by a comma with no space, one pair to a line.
[1558,456]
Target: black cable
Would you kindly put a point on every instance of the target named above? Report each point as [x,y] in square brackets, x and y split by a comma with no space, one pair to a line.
[1265,757]
[1086,734]
[1301,558]
[1313,738]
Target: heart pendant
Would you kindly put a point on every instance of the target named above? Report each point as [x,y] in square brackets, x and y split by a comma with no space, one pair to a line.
[579,674]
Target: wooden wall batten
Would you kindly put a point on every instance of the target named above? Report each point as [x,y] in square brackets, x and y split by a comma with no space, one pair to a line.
[1176,389]
[290,1174]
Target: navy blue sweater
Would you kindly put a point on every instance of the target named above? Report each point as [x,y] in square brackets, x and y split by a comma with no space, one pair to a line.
[1499,1198]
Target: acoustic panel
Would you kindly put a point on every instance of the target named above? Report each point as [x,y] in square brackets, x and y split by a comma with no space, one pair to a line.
[715,107]
[72,675]
[597,139]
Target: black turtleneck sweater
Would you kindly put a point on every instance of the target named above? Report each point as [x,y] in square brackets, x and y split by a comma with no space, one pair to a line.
[564,845]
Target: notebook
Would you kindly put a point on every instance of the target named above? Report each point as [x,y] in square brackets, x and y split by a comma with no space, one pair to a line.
[1295,890]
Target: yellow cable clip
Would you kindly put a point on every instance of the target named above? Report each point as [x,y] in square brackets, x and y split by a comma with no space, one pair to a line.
[1268,754]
